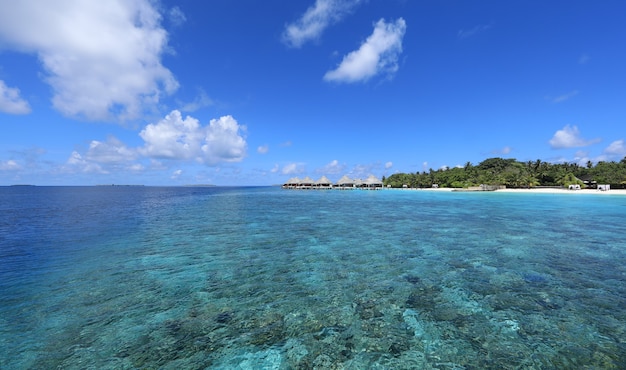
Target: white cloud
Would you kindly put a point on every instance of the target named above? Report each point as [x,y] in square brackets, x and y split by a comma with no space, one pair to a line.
[102,59]
[503,151]
[76,162]
[388,165]
[112,151]
[463,34]
[176,138]
[316,19]
[569,137]
[177,17]
[377,55]
[362,171]
[564,97]
[9,165]
[173,137]
[275,169]
[10,100]
[332,168]
[202,100]
[136,167]
[224,141]
[263,149]
[176,174]
[616,148]
[292,168]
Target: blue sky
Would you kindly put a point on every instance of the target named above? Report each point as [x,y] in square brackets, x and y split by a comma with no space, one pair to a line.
[246,92]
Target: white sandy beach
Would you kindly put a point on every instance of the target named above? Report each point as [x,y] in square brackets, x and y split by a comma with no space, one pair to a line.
[539,191]
[564,191]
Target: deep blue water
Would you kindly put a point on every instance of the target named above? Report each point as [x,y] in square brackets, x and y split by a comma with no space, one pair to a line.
[265,278]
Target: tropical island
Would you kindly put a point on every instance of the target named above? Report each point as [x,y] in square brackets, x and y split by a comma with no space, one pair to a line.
[512,173]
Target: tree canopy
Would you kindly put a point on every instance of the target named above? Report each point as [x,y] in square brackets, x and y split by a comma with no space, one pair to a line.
[515,174]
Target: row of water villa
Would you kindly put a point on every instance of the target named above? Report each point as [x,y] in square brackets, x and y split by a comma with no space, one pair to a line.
[344,183]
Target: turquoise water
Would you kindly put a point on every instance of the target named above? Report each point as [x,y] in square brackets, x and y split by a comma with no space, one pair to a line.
[265,278]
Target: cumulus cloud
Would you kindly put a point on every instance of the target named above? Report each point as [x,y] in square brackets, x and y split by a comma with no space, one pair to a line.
[316,19]
[173,137]
[224,141]
[11,102]
[377,55]
[102,59]
[9,165]
[388,165]
[616,148]
[263,149]
[569,137]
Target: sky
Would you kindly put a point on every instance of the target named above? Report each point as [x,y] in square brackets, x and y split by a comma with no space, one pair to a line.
[246,92]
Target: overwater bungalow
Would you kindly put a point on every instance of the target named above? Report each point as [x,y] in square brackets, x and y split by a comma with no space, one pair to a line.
[345,183]
[372,183]
[306,183]
[292,183]
[323,183]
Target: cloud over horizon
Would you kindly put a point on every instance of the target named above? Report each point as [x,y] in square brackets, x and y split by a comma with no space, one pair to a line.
[378,54]
[102,59]
[222,140]
[569,137]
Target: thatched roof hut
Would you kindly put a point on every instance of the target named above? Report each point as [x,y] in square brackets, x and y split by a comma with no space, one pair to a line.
[345,182]
[292,183]
[373,182]
[306,183]
[323,183]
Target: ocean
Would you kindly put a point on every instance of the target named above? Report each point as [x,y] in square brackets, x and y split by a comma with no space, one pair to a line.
[133,277]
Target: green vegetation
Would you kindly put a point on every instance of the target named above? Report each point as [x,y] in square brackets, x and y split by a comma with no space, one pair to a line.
[515,174]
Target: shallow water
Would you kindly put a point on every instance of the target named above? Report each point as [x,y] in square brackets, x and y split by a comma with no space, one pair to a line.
[265,278]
